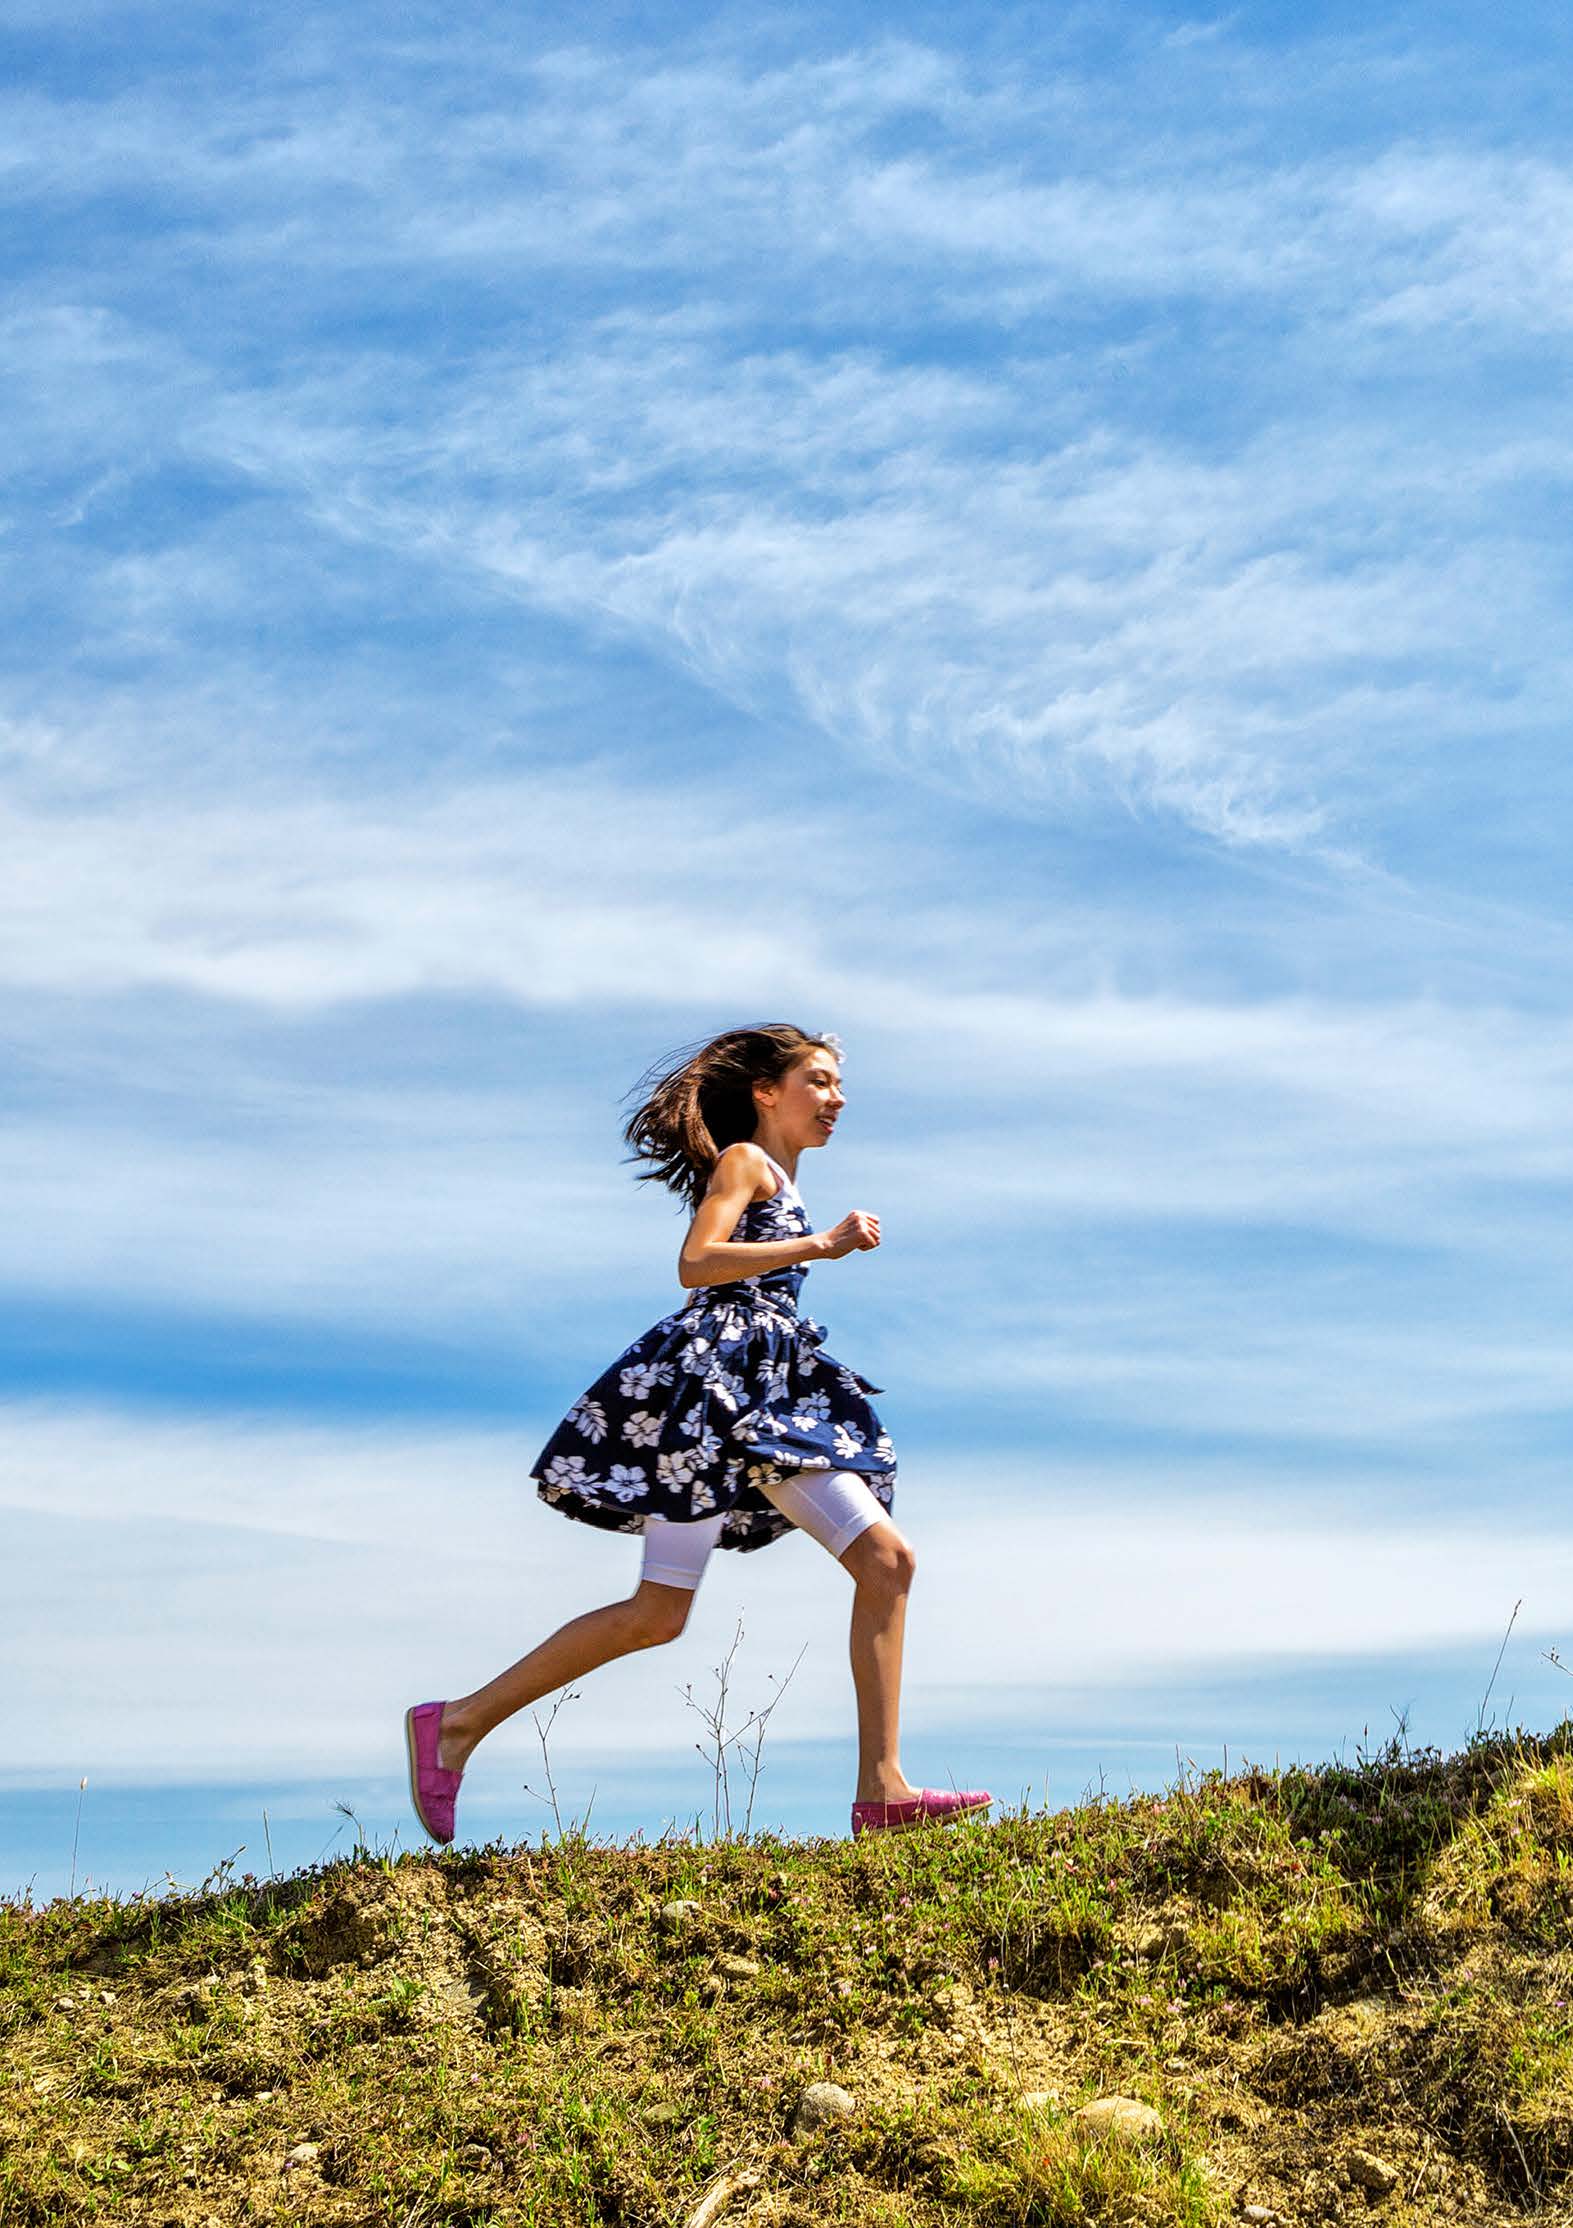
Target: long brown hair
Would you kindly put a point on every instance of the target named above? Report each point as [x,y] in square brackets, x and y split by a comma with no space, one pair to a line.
[698,1102]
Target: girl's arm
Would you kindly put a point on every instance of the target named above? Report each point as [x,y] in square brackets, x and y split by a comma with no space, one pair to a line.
[709,1255]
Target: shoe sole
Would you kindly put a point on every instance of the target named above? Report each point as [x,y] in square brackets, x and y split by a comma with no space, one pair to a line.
[929,1818]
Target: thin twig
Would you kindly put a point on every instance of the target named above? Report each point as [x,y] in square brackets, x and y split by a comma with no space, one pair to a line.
[568,1694]
[761,1720]
[720,1740]
[81,1790]
[1480,1715]
[718,2196]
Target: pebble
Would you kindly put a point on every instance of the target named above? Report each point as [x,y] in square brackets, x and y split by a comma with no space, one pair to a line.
[1121,2117]
[675,1915]
[1372,2174]
[739,1968]
[301,2154]
[1263,2215]
[820,2103]
[1162,1941]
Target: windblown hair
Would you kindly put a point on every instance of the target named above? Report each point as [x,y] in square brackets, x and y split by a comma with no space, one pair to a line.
[689,1113]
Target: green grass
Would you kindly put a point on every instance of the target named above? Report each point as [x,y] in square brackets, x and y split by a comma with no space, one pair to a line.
[1292,1968]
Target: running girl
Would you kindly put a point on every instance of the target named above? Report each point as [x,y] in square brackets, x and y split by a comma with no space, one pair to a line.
[727,1424]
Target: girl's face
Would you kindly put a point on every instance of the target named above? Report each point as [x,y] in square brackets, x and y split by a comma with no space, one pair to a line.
[804,1104]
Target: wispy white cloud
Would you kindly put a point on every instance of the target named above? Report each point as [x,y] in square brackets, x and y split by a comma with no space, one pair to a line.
[992,569]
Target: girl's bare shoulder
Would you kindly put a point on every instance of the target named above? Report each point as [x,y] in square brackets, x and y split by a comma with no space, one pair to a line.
[742,1163]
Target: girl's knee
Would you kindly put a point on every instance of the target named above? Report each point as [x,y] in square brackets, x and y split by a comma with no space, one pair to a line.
[658,1613]
[883,1557]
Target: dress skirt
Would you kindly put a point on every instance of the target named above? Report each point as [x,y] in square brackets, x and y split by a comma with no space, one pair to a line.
[733,1392]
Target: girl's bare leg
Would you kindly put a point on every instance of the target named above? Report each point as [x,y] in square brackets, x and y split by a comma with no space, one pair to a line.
[652,1614]
[881,1565]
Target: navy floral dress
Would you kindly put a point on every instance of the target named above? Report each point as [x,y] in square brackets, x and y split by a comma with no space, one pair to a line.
[732,1392]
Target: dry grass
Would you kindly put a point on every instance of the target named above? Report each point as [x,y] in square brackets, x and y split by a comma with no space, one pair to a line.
[1345,1991]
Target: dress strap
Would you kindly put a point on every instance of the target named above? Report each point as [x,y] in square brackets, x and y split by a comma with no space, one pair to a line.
[785,1182]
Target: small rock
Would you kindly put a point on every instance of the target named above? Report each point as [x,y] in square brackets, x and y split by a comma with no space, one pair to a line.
[1161,1941]
[1122,2118]
[1174,2065]
[1262,2214]
[738,1968]
[475,2155]
[1039,2100]
[301,2154]
[263,2096]
[675,1916]
[1370,2173]
[820,2103]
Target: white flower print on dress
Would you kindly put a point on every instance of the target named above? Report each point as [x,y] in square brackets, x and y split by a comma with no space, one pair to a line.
[811,1410]
[640,1379]
[693,1423]
[567,1469]
[848,1441]
[695,1357]
[628,1483]
[702,1498]
[727,1391]
[676,1468]
[642,1428]
[589,1418]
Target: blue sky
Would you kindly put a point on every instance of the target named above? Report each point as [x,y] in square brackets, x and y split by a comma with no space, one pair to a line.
[1035,542]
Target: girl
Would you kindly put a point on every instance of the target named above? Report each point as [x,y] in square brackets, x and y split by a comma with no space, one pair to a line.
[727,1424]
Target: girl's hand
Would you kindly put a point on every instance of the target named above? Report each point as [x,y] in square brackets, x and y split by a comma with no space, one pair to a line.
[854,1233]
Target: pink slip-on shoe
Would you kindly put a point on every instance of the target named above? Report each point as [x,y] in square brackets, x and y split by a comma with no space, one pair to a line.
[433,1791]
[930,1804]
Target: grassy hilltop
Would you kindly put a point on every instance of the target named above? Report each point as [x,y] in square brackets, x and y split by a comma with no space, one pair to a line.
[1346,1992]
